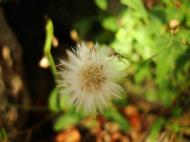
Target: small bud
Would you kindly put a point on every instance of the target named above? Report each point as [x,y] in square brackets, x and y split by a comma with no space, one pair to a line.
[174,26]
[44,62]
[74,35]
[90,44]
[55,42]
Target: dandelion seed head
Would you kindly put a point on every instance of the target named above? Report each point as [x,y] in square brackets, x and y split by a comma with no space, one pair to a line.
[90,77]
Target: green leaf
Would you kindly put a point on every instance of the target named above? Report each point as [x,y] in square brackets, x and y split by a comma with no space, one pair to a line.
[155,130]
[172,14]
[164,65]
[65,121]
[102,4]
[175,127]
[142,72]
[151,95]
[166,94]
[59,102]
[65,103]
[110,24]
[53,102]
[138,6]
[114,115]
[182,60]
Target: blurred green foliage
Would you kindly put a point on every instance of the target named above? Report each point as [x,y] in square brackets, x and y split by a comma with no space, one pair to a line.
[152,39]
[101,4]
[157,52]
[3,134]
[116,116]
[155,130]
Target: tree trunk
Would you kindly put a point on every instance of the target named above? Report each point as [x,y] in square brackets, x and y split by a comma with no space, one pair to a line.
[13,92]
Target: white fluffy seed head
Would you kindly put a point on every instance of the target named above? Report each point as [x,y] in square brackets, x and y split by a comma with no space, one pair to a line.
[90,76]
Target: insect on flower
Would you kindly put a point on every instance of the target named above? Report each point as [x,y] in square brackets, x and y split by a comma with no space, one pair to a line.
[91,78]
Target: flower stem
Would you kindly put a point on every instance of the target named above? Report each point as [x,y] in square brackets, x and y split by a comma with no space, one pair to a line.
[47,46]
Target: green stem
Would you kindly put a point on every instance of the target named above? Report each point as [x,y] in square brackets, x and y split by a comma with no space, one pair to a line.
[47,46]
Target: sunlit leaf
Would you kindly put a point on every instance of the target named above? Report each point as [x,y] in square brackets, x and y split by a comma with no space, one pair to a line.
[102,4]
[137,5]
[164,65]
[110,24]
[142,72]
